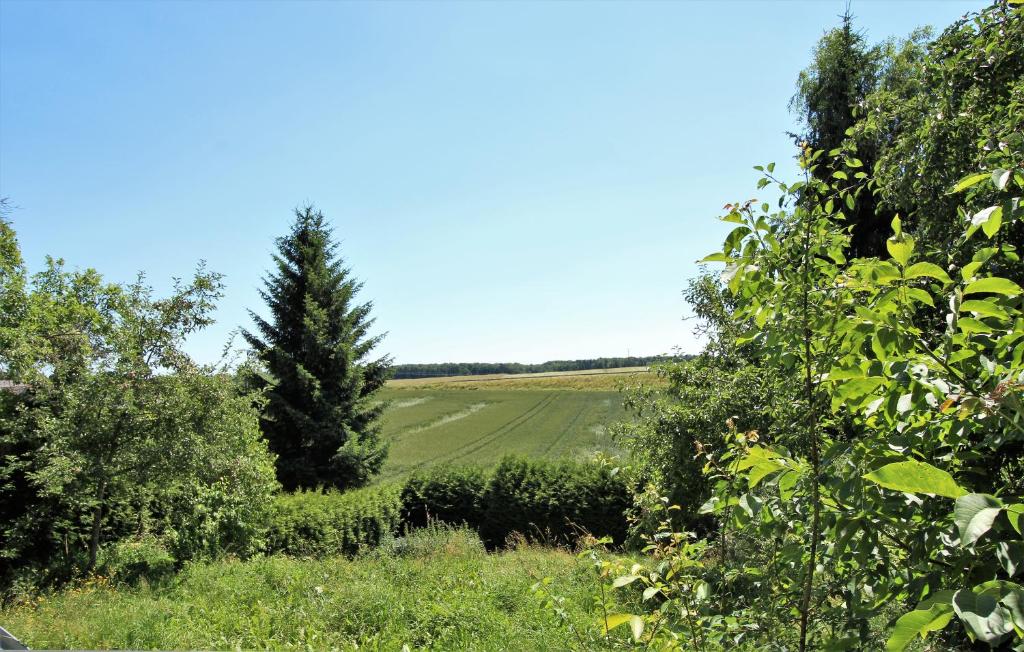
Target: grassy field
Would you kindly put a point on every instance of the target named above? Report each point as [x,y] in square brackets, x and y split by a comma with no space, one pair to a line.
[439,590]
[479,426]
[479,419]
[587,380]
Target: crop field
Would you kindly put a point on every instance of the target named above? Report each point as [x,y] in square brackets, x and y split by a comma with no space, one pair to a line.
[587,380]
[428,426]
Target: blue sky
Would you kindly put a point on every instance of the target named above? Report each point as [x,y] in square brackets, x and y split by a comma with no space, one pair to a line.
[514,182]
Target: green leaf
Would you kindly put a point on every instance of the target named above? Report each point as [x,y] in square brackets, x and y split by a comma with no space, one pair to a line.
[650,592]
[1011,555]
[1015,513]
[1000,177]
[900,247]
[969,181]
[983,616]
[614,620]
[717,257]
[994,221]
[974,515]
[916,477]
[931,270]
[918,622]
[970,325]
[839,174]
[984,308]
[624,580]
[995,285]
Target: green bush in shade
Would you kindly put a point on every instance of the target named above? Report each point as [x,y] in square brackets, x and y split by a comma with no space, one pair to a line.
[554,502]
[550,502]
[447,494]
[314,524]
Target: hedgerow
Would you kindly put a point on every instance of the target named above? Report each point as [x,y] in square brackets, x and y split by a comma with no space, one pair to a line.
[550,502]
[314,524]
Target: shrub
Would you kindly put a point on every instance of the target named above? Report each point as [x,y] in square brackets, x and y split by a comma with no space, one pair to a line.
[447,494]
[130,560]
[313,524]
[550,502]
[554,502]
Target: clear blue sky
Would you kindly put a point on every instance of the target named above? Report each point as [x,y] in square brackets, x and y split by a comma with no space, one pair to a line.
[515,182]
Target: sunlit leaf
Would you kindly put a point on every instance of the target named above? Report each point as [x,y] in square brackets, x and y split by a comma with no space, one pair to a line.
[974,515]
[912,476]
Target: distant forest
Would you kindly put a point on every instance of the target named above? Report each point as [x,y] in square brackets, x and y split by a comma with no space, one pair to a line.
[480,368]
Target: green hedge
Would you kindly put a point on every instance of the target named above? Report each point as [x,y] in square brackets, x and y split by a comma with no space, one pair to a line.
[313,524]
[447,494]
[551,502]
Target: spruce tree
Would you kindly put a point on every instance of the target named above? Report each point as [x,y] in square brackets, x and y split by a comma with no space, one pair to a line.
[321,417]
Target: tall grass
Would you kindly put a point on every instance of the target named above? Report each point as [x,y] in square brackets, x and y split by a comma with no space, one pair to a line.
[437,589]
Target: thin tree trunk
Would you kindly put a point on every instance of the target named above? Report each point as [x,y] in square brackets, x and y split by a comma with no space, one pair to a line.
[97,521]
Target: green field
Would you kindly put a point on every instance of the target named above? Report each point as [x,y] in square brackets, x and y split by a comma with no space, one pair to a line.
[436,590]
[480,425]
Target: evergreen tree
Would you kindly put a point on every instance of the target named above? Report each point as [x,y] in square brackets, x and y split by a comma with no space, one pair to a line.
[843,71]
[321,418]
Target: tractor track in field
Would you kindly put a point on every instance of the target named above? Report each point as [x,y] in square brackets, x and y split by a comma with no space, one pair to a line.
[565,431]
[444,419]
[473,446]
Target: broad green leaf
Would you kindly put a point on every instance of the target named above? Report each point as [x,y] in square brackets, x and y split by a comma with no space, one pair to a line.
[614,620]
[717,257]
[916,477]
[970,325]
[930,270]
[984,308]
[995,285]
[985,619]
[918,622]
[650,592]
[974,515]
[994,221]
[1011,555]
[624,580]
[969,181]
[1000,177]
[900,247]
[1015,513]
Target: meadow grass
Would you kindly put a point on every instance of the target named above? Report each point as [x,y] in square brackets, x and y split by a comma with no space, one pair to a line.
[426,427]
[437,589]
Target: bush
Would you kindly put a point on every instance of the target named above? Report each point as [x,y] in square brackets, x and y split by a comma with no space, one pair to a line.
[551,502]
[313,524]
[554,502]
[447,494]
[130,560]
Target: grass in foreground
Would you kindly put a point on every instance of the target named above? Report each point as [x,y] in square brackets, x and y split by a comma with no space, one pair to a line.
[437,589]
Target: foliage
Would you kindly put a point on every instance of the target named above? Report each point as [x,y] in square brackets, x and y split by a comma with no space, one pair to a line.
[315,524]
[446,494]
[115,431]
[136,558]
[439,592]
[837,529]
[678,423]
[321,418]
[830,95]
[945,112]
[554,501]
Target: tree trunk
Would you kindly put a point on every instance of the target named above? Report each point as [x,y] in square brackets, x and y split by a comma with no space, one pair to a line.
[97,521]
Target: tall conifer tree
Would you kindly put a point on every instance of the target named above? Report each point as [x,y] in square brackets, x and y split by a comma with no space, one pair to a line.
[321,418]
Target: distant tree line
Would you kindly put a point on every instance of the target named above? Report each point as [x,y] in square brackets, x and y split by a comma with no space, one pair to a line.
[481,368]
